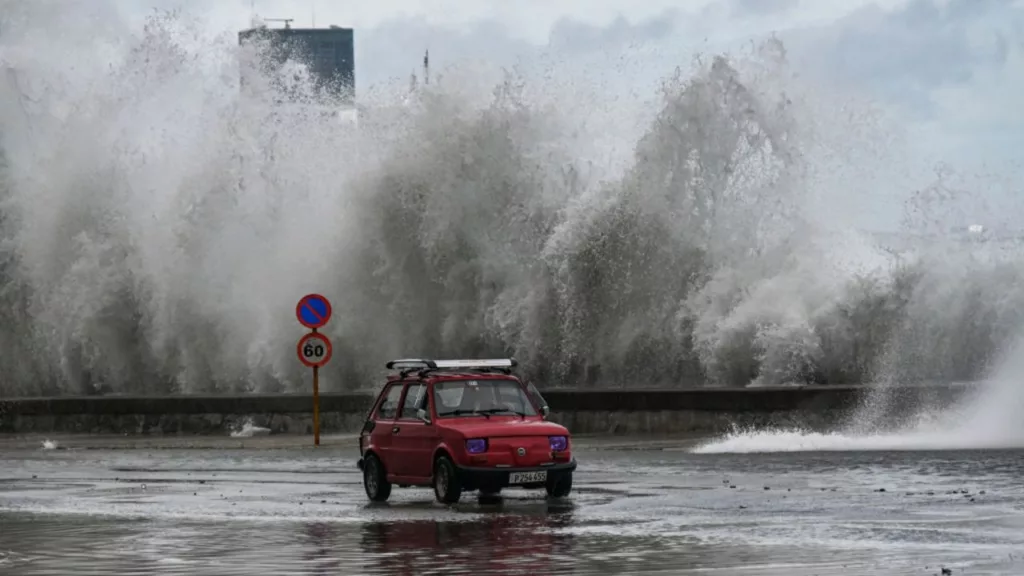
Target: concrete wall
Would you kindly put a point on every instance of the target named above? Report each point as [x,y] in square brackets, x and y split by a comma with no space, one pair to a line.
[583,411]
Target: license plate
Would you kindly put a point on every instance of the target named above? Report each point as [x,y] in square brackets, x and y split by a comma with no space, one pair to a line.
[527,477]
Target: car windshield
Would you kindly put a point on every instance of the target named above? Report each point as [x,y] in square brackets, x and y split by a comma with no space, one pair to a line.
[481,397]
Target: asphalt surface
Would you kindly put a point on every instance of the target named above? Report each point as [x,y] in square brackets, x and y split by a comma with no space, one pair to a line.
[277,505]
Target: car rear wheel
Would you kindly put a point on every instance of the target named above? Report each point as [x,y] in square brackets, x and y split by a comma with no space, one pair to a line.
[559,485]
[447,488]
[375,481]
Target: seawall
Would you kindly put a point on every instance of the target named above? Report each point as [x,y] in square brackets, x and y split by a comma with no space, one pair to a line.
[692,411]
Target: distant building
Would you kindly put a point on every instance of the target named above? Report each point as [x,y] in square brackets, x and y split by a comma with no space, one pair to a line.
[328,53]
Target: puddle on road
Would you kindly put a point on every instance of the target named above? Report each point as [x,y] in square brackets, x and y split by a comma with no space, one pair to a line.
[235,471]
[206,517]
[497,543]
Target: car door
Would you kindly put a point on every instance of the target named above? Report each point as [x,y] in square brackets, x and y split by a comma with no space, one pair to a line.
[383,421]
[413,440]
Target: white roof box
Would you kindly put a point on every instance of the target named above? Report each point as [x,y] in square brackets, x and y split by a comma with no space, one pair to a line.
[460,364]
[488,363]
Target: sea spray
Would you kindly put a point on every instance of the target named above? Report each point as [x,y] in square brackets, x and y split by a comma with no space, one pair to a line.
[158,226]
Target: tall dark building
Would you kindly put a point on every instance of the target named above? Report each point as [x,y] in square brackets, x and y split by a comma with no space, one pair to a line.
[329,53]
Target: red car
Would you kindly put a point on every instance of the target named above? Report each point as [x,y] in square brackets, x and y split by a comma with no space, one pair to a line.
[462,425]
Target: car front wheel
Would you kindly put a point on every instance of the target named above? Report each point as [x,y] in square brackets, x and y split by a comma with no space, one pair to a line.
[375,481]
[447,488]
[559,485]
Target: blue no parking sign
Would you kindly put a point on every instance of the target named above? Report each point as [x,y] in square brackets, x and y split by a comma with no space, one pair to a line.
[313,311]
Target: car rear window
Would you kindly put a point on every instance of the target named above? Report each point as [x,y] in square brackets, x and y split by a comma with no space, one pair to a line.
[389,407]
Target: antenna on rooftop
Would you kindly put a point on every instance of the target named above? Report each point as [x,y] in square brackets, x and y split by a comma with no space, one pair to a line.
[254,19]
[287,21]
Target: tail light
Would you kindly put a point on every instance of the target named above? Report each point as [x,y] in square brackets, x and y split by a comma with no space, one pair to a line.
[558,443]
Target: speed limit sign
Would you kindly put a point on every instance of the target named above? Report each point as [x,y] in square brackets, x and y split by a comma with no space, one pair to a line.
[314,350]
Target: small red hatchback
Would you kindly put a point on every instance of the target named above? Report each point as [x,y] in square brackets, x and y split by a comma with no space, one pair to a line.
[462,425]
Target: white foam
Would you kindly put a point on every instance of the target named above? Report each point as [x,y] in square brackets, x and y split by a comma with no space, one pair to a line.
[248,430]
[796,440]
[989,418]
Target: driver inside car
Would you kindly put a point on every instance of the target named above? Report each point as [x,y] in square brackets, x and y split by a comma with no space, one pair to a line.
[473,399]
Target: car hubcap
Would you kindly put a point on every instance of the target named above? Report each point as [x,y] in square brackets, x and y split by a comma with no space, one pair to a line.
[442,480]
[371,479]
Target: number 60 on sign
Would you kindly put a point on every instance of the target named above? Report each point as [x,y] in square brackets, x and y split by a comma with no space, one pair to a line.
[314,350]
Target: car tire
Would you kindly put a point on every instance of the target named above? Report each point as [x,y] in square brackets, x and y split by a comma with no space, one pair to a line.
[375,480]
[559,485]
[447,488]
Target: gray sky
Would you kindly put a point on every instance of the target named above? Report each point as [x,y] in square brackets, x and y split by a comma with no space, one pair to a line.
[950,71]
[956,63]
[530,20]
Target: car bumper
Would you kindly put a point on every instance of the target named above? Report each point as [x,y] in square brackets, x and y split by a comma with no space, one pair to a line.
[499,477]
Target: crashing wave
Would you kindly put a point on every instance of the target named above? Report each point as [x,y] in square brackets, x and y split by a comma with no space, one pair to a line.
[156,229]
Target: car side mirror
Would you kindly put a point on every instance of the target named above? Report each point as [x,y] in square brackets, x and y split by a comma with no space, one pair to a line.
[544,410]
[422,415]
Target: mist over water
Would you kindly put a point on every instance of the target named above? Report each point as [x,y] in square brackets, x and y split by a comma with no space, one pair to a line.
[157,228]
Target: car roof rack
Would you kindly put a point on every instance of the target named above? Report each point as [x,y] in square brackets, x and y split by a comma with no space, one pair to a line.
[409,365]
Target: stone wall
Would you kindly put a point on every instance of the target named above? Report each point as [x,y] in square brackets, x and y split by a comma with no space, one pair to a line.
[694,411]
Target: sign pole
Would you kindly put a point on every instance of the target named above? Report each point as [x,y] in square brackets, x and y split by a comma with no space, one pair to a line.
[316,403]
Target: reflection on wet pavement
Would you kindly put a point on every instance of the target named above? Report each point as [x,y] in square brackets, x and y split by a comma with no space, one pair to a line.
[213,512]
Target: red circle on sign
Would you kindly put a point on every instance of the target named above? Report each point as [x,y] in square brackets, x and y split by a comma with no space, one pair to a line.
[308,339]
[304,305]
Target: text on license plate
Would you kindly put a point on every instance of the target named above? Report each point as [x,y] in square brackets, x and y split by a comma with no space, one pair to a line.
[527,477]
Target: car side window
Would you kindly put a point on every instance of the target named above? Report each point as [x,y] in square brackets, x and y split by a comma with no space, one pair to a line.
[415,398]
[389,407]
[536,396]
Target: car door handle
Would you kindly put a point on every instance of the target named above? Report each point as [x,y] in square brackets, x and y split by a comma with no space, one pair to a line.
[395,430]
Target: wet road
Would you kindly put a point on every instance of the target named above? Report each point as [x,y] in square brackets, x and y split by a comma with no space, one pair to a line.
[283,507]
